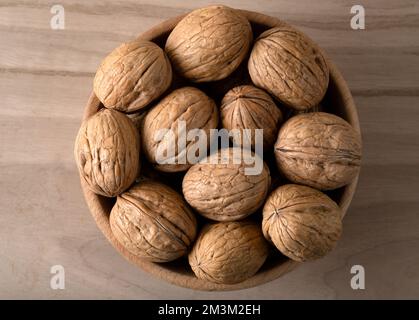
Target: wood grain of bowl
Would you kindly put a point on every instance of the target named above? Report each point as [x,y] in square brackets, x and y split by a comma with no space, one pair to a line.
[338,100]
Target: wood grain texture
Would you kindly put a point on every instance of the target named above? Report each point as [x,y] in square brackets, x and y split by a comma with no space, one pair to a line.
[46,78]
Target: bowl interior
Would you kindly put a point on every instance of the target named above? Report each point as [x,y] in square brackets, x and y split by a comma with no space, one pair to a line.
[338,100]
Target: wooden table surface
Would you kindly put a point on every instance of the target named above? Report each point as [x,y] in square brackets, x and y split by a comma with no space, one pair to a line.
[45,80]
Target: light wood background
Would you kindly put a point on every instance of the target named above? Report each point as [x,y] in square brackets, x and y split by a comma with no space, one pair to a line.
[45,80]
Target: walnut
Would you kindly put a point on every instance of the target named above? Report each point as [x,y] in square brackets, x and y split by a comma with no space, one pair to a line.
[290,66]
[228,252]
[219,188]
[107,152]
[247,107]
[318,149]
[188,106]
[302,222]
[209,43]
[132,75]
[153,222]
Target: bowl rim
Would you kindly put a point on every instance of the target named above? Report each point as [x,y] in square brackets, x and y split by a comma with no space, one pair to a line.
[185,279]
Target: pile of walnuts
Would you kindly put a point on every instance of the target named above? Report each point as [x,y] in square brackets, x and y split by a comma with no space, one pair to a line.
[212,73]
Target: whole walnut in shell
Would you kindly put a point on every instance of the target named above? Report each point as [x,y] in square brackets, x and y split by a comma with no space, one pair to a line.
[247,107]
[153,222]
[318,149]
[186,106]
[228,252]
[302,222]
[221,189]
[107,152]
[209,43]
[132,75]
[290,66]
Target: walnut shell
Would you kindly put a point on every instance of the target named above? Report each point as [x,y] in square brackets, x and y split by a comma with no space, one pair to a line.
[209,43]
[107,152]
[132,75]
[302,222]
[248,107]
[153,222]
[188,104]
[290,66]
[219,188]
[228,252]
[318,149]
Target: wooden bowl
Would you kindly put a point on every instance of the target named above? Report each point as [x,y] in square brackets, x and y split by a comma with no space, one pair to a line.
[178,272]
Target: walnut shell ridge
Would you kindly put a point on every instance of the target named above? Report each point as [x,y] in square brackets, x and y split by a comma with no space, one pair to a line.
[153,222]
[248,107]
[107,152]
[132,75]
[187,104]
[228,252]
[209,43]
[302,222]
[318,149]
[290,66]
[218,187]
